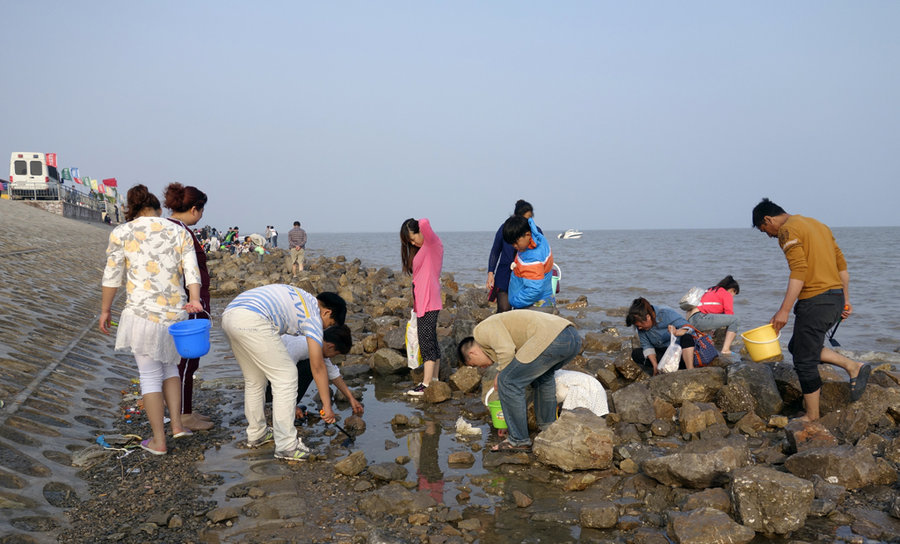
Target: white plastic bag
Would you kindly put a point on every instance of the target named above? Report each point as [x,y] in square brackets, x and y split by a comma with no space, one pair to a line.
[691,299]
[413,355]
[671,358]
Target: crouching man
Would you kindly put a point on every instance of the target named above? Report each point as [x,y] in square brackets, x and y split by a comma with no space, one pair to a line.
[528,347]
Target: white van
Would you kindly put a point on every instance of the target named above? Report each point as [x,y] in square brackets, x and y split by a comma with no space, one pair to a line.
[30,176]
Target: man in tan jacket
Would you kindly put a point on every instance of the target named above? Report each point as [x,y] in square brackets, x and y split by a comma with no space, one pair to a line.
[528,347]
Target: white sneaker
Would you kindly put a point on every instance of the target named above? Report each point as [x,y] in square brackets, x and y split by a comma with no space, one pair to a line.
[417,391]
[300,453]
[267,437]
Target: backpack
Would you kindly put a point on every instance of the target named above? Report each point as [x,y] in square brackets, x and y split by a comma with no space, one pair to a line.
[704,347]
[691,299]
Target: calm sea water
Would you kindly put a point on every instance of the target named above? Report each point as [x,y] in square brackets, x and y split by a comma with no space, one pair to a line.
[612,267]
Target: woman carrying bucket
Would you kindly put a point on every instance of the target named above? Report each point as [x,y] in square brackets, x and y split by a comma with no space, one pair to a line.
[186,204]
[147,254]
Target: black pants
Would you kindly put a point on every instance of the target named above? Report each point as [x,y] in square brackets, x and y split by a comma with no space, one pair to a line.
[304,378]
[812,318]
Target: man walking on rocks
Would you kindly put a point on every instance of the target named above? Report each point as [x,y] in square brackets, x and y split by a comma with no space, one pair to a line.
[254,323]
[819,285]
[297,244]
[528,347]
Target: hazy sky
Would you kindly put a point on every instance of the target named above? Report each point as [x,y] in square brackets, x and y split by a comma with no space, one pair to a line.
[352,116]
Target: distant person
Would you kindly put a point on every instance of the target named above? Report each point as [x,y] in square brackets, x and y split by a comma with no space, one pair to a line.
[152,257]
[254,322]
[818,291]
[422,255]
[716,310]
[297,244]
[186,204]
[530,283]
[274,236]
[528,348]
[655,324]
[268,236]
[500,259]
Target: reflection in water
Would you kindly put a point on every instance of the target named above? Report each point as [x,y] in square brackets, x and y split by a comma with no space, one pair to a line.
[423,450]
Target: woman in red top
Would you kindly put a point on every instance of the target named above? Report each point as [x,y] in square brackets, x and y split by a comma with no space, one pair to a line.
[716,310]
[422,253]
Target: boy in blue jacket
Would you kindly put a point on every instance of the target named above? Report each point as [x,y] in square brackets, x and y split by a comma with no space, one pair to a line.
[530,283]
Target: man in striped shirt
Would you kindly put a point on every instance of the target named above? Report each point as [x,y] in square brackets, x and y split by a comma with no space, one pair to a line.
[254,322]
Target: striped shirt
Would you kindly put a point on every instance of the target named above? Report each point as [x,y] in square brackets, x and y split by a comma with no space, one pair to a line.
[292,311]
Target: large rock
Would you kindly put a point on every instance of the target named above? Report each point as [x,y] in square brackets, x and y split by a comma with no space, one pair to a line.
[759,380]
[352,465]
[694,418]
[386,361]
[630,370]
[852,421]
[697,385]
[807,435]
[465,379]
[578,440]
[770,501]
[634,404]
[388,472]
[707,526]
[396,338]
[702,464]
[850,467]
[437,392]
[603,515]
[734,398]
[594,341]
[395,499]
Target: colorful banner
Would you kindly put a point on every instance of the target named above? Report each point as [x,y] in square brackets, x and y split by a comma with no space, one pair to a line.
[77,180]
[110,182]
[75,173]
[51,159]
[93,184]
[66,174]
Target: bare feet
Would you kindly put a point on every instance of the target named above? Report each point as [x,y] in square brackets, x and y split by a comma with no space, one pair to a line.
[194,423]
[198,416]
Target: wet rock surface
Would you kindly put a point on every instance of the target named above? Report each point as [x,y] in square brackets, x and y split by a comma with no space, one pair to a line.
[693,456]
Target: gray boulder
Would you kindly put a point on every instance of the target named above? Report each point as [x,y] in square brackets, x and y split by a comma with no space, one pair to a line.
[702,464]
[352,465]
[759,380]
[770,501]
[697,385]
[707,526]
[850,467]
[634,404]
[465,379]
[394,499]
[386,361]
[578,440]
[388,472]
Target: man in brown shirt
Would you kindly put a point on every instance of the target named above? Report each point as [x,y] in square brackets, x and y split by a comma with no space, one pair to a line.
[528,347]
[818,290]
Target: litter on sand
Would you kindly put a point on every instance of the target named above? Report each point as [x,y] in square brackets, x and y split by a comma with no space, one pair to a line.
[464,428]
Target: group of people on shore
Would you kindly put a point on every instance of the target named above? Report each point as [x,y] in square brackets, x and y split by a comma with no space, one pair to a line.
[283,336]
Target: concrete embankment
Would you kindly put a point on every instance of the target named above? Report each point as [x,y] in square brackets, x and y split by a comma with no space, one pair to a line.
[54,395]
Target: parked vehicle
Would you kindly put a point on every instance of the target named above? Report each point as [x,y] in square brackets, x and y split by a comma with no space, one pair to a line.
[30,176]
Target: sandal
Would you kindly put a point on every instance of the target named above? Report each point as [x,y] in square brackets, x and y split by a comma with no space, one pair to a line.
[858,384]
[506,446]
[145,445]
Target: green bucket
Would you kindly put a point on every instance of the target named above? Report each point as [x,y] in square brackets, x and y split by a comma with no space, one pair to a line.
[497,414]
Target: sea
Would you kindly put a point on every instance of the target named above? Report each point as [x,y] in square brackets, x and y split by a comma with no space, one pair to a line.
[613,267]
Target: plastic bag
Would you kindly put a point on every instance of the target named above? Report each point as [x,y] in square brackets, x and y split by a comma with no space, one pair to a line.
[671,358]
[691,299]
[413,355]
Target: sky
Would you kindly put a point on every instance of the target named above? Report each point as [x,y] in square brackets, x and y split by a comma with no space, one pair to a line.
[353,116]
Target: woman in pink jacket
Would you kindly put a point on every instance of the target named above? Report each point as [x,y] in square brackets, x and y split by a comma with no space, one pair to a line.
[422,254]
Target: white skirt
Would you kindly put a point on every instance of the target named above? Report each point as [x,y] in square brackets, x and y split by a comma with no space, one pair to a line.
[141,336]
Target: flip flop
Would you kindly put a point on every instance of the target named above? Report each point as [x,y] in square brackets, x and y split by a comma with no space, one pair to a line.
[183,433]
[145,446]
[506,446]
[858,384]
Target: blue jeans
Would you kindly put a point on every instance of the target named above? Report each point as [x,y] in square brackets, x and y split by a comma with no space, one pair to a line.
[539,375]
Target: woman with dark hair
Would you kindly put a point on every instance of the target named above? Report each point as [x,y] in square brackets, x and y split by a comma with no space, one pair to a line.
[149,255]
[186,204]
[655,324]
[717,310]
[422,253]
[501,258]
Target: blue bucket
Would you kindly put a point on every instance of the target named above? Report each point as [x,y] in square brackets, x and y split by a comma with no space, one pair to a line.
[191,337]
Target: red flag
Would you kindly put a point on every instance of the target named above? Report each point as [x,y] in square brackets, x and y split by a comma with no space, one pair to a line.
[51,159]
[110,182]
[77,180]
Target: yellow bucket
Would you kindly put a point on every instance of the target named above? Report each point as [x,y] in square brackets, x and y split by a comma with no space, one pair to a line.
[762,342]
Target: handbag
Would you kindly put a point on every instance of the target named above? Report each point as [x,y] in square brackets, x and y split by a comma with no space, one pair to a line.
[413,354]
[704,347]
[671,358]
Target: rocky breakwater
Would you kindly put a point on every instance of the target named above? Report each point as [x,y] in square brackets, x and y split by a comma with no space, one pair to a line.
[702,456]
